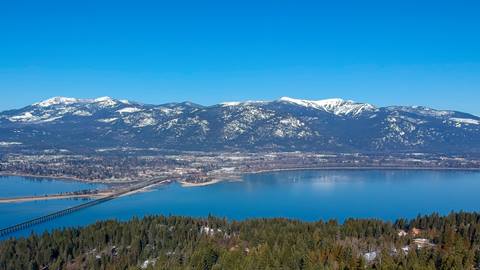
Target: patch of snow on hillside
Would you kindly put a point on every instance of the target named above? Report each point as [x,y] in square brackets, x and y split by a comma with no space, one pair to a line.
[29,117]
[291,127]
[81,113]
[169,124]
[425,111]
[399,130]
[6,144]
[279,133]
[291,121]
[145,120]
[233,129]
[242,118]
[169,111]
[107,120]
[129,110]
[25,117]
[466,121]
[413,120]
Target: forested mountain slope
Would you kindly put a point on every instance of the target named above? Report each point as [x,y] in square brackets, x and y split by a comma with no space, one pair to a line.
[285,124]
[430,242]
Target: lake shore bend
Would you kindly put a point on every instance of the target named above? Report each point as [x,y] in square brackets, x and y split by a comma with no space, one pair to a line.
[236,176]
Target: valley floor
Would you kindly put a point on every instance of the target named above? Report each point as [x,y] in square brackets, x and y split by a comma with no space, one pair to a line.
[199,168]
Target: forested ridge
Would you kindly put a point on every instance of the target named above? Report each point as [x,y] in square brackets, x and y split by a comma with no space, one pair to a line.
[158,242]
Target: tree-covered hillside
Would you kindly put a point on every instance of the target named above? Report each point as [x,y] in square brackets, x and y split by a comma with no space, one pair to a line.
[430,242]
[286,124]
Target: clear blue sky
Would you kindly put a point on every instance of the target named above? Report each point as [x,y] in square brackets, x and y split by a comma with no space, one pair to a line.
[382,52]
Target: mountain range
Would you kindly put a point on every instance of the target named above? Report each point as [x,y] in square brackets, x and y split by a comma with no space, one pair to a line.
[286,124]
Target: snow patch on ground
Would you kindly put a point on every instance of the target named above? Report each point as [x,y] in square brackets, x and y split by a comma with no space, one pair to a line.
[107,120]
[145,120]
[81,113]
[129,110]
[25,117]
[370,256]
[465,121]
[425,111]
[7,144]
[291,121]
[165,110]
[147,263]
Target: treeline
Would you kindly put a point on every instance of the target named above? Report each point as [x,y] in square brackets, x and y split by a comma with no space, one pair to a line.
[212,243]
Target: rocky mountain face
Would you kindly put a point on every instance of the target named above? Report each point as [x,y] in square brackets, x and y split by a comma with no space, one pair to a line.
[286,124]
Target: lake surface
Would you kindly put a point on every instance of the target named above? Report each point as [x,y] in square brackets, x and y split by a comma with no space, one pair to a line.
[17,186]
[305,195]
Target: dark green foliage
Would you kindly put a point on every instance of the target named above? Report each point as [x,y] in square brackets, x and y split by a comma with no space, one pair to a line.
[211,243]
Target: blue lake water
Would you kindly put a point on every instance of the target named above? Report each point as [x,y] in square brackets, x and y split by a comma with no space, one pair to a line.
[305,195]
[16,186]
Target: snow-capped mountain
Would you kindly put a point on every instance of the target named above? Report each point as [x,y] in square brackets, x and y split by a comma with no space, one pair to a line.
[286,124]
[336,106]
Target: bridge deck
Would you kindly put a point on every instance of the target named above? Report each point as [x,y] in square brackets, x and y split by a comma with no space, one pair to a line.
[42,219]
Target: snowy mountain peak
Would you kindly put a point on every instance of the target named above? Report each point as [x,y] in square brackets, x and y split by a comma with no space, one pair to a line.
[57,101]
[336,106]
[284,124]
[105,101]
[102,101]
[239,103]
[230,103]
[332,102]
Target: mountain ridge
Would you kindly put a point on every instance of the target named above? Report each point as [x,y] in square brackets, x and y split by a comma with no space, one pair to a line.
[285,124]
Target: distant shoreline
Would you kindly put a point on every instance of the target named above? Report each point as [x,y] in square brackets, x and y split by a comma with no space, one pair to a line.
[53,197]
[59,196]
[202,184]
[228,177]
[366,168]
[70,178]
[239,176]
[217,179]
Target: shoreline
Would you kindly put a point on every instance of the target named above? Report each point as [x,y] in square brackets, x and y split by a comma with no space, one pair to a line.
[53,197]
[147,188]
[71,178]
[202,184]
[239,176]
[364,168]
[79,196]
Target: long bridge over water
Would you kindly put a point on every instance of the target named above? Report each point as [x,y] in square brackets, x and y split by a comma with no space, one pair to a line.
[30,223]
